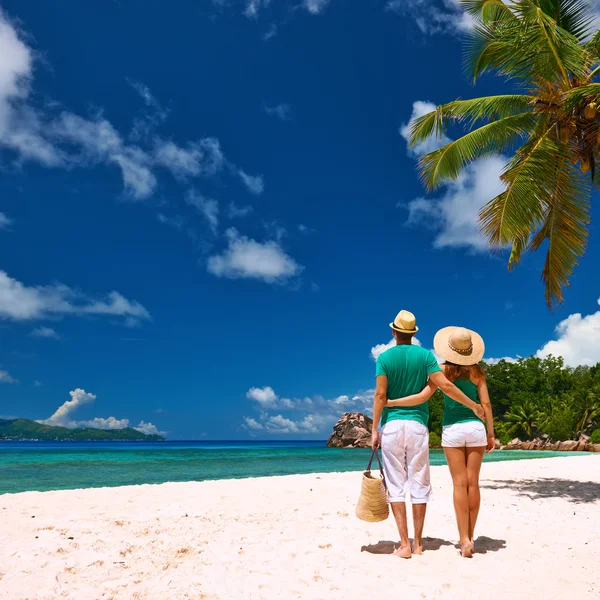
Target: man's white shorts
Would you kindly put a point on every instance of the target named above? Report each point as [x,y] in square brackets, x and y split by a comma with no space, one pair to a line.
[405,452]
[470,434]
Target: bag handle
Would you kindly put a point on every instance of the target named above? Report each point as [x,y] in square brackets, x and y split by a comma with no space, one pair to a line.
[375,454]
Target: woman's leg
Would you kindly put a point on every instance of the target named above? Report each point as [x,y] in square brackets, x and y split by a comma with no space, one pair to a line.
[457,462]
[474,459]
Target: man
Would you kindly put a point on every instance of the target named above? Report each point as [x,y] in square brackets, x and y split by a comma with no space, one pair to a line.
[402,371]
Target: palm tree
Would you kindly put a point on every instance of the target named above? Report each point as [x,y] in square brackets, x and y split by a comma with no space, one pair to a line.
[551,128]
[524,418]
[591,411]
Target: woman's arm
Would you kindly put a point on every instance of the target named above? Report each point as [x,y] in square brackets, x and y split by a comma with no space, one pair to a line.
[414,399]
[484,398]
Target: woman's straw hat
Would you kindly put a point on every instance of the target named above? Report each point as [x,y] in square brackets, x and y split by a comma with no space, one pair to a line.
[405,322]
[459,345]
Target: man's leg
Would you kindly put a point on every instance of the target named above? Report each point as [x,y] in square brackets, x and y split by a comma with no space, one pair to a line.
[399,511]
[394,465]
[417,453]
[419,511]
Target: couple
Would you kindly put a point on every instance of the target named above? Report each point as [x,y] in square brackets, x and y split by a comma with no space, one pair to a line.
[410,374]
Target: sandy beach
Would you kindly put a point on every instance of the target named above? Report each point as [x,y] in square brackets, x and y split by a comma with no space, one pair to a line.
[297,537]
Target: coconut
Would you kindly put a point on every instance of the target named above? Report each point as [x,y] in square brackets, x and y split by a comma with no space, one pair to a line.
[584,165]
[565,133]
[590,111]
[574,159]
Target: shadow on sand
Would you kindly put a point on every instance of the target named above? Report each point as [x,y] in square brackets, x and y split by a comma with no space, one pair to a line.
[483,545]
[387,547]
[574,491]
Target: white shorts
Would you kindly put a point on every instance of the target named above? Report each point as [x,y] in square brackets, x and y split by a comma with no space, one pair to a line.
[470,434]
[405,453]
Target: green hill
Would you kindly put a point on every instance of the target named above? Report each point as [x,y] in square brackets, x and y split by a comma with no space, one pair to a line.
[24,429]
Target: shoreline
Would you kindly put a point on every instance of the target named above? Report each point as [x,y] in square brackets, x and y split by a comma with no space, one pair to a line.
[296,536]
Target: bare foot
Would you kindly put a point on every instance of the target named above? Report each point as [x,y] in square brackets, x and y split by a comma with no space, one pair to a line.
[417,549]
[403,552]
[466,549]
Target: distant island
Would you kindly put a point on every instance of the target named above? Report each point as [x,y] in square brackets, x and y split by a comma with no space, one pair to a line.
[26,430]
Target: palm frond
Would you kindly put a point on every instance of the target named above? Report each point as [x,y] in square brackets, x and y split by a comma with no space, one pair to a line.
[476,109]
[574,16]
[590,92]
[447,162]
[488,11]
[516,213]
[565,227]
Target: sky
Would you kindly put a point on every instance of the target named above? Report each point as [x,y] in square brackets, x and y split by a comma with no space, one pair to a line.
[209,214]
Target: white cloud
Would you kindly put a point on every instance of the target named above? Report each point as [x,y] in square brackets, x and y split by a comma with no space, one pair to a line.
[100,423]
[253,7]
[281,111]
[148,429]
[252,424]
[207,206]
[254,183]
[454,215]
[280,424]
[44,332]
[421,108]
[6,377]
[146,94]
[79,397]
[68,140]
[265,397]
[431,18]
[308,415]
[381,348]
[315,7]
[5,222]
[96,141]
[495,361]
[578,340]
[245,258]
[62,416]
[19,302]
[37,383]
[202,158]
[235,212]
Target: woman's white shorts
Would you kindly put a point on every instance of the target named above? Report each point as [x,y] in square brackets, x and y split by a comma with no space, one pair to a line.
[470,434]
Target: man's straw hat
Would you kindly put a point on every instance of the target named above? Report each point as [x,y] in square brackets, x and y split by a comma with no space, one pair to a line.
[405,322]
[459,345]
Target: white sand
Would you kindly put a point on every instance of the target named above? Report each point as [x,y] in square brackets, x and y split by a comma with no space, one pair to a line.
[297,537]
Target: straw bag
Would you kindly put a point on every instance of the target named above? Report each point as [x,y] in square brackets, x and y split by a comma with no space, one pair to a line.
[373,505]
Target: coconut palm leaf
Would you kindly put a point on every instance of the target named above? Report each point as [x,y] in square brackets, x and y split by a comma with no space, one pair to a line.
[487,10]
[447,162]
[574,17]
[470,111]
[516,213]
[565,227]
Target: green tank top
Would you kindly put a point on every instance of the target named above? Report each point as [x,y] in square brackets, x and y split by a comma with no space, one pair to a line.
[455,412]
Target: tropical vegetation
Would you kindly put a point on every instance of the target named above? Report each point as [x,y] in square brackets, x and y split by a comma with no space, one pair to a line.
[533,397]
[548,123]
[24,429]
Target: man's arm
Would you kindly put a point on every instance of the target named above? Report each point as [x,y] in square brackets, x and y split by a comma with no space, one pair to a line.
[451,390]
[414,399]
[379,400]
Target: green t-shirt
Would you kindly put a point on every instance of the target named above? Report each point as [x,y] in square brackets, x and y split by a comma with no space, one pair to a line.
[455,412]
[407,368]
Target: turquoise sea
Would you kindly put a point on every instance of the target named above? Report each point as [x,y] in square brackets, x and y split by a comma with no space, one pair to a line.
[42,466]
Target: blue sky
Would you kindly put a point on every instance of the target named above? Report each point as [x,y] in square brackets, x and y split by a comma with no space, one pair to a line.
[209,215]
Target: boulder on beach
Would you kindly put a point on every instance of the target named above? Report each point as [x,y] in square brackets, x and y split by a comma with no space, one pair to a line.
[353,430]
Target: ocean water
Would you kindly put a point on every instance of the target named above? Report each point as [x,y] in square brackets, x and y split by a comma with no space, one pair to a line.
[42,466]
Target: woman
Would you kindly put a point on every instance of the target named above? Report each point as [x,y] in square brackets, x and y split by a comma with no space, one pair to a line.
[464,436]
